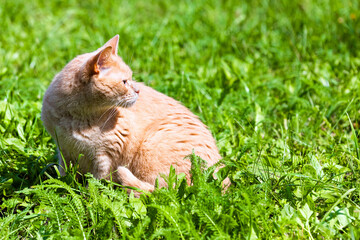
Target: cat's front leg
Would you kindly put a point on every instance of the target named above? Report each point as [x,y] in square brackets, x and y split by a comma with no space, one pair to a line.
[102,166]
[61,164]
[126,178]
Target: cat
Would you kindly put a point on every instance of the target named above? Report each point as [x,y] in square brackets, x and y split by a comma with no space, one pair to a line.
[122,130]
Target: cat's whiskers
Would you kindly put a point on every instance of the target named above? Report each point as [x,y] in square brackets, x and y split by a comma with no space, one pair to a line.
[111,114]
[109,108]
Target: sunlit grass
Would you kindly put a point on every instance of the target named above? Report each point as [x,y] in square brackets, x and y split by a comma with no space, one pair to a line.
[277,82]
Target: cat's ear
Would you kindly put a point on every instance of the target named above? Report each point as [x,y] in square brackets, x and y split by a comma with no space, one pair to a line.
[94,65]
[114,42]
[103,59]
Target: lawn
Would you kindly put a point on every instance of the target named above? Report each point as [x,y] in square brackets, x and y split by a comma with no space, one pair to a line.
[277,82]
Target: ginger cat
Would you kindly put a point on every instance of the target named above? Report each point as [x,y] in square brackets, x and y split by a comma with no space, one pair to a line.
[124,130]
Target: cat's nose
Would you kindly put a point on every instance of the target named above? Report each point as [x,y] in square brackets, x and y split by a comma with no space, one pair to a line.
[136,88]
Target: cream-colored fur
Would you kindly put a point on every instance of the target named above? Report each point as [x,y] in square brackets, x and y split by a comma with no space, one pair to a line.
[122,128]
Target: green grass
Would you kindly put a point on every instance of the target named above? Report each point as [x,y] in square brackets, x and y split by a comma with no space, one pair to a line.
[277,82]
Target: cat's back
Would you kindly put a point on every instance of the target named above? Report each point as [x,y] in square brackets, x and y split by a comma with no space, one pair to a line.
[157,104]
[154,108]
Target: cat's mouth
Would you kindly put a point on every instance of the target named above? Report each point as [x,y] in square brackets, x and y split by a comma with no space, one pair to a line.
[128,101]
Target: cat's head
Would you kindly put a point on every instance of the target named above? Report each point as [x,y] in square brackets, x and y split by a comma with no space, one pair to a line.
[101,78]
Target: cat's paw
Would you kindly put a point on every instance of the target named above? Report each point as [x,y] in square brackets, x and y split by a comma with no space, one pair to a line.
[127,178]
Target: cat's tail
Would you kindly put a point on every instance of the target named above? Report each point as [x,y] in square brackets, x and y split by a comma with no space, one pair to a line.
[127,178]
